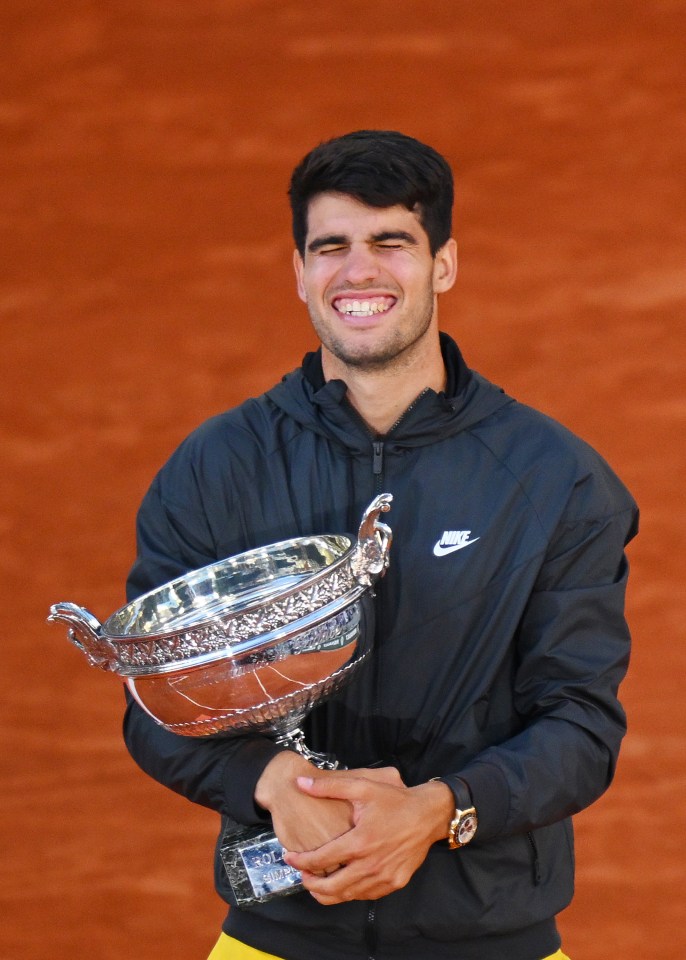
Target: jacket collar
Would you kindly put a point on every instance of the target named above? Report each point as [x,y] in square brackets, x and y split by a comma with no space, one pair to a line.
[323,407]
[458,373]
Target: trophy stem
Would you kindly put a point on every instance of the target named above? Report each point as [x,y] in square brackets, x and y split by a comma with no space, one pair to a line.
[294,739]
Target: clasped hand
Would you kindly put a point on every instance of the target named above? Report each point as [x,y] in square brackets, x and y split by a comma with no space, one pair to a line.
[353,834]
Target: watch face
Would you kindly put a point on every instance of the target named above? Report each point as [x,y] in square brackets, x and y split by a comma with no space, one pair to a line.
[466,828]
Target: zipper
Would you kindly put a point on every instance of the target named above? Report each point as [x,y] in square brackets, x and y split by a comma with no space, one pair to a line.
[535,862]
[408,410]
[377,464]
[370,931]
[378,443]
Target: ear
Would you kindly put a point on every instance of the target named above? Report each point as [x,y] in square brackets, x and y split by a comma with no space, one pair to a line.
[445,267]
[299,267]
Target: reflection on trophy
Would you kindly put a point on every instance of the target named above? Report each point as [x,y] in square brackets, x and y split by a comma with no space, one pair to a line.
[251,643]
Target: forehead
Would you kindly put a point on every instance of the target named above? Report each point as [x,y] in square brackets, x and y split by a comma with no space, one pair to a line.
[342,215]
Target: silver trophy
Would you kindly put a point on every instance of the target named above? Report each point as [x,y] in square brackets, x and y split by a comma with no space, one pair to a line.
[249,644]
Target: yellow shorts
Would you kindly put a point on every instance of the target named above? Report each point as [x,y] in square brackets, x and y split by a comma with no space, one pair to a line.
[226,948]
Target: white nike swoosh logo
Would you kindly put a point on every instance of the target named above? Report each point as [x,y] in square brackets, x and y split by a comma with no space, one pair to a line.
[440,551]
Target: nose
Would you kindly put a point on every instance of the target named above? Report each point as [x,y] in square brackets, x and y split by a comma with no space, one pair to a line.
[361,265]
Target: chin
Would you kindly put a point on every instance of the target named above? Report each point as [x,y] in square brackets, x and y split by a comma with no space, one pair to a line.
[367,359]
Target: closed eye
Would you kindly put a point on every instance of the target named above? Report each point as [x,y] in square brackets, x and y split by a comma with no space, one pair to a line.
[394,240]
[332,243]
[332,249]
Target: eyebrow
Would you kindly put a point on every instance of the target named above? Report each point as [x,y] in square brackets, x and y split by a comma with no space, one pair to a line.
[339,239]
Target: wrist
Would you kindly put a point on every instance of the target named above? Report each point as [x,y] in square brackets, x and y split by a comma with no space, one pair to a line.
[279,772]
[439,809]
[463,820]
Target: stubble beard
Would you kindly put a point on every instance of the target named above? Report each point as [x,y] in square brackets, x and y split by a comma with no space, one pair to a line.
[392,353]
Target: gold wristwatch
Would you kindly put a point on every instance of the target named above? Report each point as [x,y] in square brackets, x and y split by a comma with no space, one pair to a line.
[462,827]
[465,821]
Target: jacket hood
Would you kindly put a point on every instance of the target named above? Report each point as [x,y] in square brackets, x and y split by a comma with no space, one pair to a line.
[323,406]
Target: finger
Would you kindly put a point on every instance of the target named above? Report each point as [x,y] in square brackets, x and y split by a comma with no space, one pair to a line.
[343,886]
[334,788]
[389,775]
[328,890]
[327,872]
[327,857]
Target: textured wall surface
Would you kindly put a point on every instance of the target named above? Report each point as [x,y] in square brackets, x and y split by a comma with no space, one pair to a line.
[145,283]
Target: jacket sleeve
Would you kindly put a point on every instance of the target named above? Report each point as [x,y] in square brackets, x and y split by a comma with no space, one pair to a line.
[572,653]
[219,773]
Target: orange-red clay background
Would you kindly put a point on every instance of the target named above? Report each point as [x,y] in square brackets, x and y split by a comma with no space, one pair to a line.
[146,284]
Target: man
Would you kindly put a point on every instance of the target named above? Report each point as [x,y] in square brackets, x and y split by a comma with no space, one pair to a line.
[489,713]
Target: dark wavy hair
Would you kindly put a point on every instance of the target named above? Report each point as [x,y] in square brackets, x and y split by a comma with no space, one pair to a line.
[382,168]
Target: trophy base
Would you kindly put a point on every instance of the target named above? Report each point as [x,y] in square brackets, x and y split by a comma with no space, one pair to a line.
[253,856]
[254,864]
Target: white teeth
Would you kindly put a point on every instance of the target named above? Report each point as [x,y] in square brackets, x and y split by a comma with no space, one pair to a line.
[362,308]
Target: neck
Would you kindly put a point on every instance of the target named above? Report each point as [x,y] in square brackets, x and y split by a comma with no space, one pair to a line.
[381,396]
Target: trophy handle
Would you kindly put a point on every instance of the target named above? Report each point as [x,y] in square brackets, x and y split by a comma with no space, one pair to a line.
[85,632]
[370,555]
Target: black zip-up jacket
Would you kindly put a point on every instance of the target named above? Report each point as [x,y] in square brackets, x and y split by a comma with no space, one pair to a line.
[497,662]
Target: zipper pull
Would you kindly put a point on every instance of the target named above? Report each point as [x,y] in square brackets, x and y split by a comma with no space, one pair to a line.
[377,460]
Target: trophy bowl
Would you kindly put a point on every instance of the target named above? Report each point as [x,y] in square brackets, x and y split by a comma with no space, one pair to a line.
[252,642]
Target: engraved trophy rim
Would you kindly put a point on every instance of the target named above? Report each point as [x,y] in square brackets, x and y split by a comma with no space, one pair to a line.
[226,607]
[245,602]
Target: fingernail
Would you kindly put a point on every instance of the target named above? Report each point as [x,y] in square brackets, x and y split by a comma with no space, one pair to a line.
[305,781]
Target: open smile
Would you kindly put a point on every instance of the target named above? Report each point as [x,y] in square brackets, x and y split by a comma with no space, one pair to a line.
[362,307]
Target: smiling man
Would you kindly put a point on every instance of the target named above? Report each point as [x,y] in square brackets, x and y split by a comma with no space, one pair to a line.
[488,714]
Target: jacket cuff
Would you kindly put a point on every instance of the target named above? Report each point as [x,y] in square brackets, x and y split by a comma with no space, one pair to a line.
[240,774]
[490,795]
